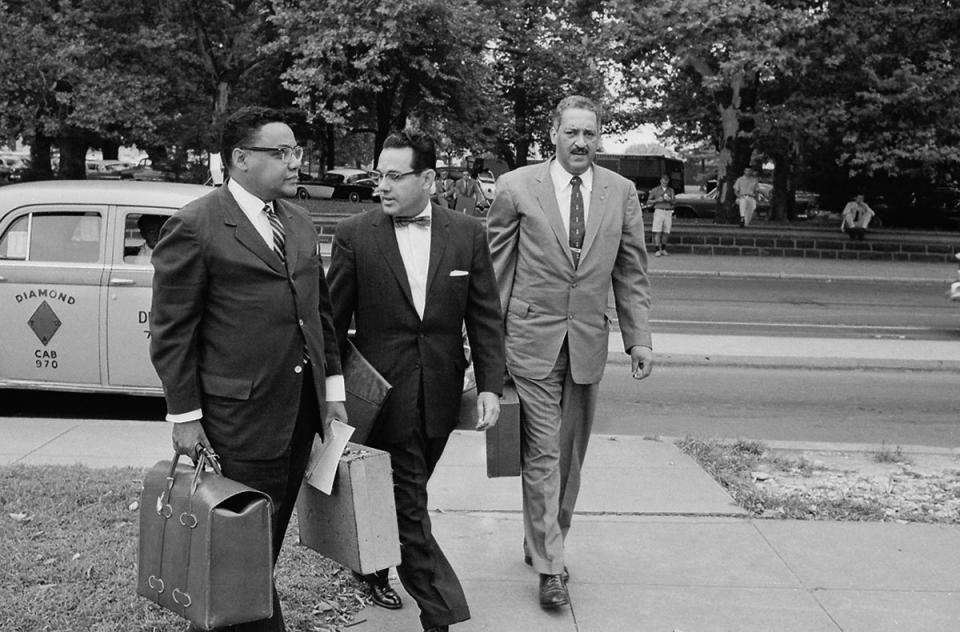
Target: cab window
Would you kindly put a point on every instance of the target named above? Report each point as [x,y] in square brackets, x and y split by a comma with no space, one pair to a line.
[140,235]
[66,237]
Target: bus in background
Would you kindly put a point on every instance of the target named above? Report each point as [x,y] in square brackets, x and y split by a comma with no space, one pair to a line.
[644,171]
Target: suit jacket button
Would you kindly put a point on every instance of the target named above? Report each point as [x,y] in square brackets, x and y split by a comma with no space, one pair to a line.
[298,369]
[300,322]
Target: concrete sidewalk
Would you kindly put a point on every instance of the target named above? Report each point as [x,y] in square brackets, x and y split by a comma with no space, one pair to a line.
[656,545]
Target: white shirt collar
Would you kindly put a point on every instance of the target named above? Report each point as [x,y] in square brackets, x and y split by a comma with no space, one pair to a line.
[561,177]
[250,204]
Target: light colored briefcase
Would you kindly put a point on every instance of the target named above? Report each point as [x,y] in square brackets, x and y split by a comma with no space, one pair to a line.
[206,549]
[503,440]
[356,524]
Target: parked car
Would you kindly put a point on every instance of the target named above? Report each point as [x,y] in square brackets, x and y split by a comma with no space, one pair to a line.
[13,166]
[487,184]
[704,205]
[106,169]
[954,292]
[355,185]
[152,171]
[76,290]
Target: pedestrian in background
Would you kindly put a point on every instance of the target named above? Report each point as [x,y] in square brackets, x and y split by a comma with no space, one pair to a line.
[410,275]
[241,330]
[561,233]
[662,197]
[745,188]
[856,218]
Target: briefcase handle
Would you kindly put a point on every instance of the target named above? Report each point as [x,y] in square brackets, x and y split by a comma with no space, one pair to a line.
[205,459]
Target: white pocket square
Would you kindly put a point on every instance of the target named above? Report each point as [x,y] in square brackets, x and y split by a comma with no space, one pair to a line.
[458,273]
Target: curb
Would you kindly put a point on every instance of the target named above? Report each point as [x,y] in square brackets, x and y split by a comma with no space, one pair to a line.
[796,276]
[762,362]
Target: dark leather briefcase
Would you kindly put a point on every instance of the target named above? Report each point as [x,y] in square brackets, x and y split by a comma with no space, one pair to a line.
[205,544]
[366,393]
[503,440]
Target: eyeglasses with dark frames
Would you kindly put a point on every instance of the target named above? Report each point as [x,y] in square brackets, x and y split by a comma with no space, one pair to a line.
[284,152]
[392,176]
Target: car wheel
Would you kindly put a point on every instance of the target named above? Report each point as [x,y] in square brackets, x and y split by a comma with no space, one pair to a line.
[354,197]
[302,193]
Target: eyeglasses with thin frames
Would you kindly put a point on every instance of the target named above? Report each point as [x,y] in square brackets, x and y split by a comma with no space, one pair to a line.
[392,176]
[283,152]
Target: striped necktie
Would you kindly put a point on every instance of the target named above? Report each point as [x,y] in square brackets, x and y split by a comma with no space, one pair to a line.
[278,238]
[576,219]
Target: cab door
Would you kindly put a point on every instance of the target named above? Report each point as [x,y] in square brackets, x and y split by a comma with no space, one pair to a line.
[129,292]
[51,267]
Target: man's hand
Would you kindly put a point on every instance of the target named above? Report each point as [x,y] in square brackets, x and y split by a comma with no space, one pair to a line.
[186,437]
[641,361]
[336,411]
[488,410]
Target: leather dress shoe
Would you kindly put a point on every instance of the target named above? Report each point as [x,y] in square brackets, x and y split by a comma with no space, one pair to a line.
[566,573]
[380,591]
[553,592]
[437,628]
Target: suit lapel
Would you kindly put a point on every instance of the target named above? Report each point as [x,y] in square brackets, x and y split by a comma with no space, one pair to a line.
[598,198]
[386,241]
[245,233]
[547,197]
[439,236]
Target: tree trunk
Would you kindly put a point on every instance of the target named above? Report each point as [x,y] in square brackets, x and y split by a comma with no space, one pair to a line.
[73,157]
[40,156]
[736,105]
[110,150]
[384,108]
[781,206]
[329,147]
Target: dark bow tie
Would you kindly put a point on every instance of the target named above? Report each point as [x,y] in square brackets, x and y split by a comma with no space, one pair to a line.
[419,220]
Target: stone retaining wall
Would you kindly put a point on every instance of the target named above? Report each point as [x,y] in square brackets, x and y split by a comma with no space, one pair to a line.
[747,242]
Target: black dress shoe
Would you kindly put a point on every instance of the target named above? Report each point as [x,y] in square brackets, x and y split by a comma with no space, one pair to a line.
[553,592]
[380,591]
[566,573]
[437,628]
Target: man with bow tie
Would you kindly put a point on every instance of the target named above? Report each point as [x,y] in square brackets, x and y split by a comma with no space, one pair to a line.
[410,275]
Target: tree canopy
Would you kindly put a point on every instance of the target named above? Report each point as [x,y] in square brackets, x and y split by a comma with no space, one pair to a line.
[838,95]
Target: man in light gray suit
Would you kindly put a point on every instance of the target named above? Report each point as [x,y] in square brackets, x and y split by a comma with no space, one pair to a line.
[560,234]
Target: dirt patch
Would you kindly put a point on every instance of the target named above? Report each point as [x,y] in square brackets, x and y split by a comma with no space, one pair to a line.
[879,485]
[917,487]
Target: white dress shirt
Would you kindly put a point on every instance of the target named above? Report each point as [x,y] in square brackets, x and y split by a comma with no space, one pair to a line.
[414,243]
[562,187]
[252,207]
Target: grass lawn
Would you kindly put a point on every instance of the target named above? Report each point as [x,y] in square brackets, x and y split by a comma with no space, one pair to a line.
[68,547]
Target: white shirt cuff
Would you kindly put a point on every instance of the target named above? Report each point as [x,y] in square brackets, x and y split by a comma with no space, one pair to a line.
[181,418]
[336,389]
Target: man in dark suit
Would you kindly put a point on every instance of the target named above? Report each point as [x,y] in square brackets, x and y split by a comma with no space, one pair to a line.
[562,233]
[410,275]
[241,329]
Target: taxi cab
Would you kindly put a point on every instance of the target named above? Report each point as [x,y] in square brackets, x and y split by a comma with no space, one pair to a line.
[75,282]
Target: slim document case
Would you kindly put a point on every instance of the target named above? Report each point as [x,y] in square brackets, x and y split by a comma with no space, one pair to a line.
[366,392]
[205,545]
[356,524]
[503,440]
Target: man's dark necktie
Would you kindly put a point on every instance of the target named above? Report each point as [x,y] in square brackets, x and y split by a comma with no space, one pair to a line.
[419,220]
[576,219]
[278,236]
